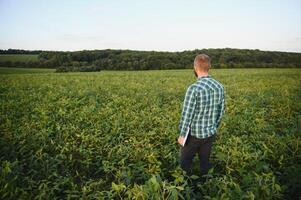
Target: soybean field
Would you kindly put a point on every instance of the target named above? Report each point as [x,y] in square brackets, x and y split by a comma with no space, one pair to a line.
[113,135]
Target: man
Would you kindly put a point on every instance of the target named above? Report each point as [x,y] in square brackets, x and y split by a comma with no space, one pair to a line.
[202,112]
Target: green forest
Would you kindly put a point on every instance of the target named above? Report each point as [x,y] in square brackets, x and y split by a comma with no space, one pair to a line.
[97,60]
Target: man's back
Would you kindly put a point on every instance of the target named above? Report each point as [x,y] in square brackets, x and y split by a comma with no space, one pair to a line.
[203,107]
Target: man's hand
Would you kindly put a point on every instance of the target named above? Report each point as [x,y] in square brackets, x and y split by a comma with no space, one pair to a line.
[181,140]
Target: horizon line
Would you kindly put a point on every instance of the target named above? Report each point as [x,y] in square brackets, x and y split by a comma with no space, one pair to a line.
[116,49]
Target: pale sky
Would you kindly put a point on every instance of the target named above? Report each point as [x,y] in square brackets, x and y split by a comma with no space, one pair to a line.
[150,25]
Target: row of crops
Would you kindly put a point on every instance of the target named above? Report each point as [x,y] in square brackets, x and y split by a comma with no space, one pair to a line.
[112,135]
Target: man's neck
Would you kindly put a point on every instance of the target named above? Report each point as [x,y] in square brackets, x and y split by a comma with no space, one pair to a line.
[201,74]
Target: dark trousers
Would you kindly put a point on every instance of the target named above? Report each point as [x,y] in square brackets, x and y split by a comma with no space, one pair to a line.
[200,146]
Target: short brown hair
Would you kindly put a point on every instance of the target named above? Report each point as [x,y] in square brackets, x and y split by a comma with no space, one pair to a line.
[202,58]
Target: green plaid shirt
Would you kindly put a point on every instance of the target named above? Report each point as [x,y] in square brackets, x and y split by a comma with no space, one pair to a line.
[203,108]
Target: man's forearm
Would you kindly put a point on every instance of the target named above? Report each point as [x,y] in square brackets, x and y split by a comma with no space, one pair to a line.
[184,128]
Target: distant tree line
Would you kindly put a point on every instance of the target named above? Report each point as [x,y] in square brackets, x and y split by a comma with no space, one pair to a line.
[96,60]
[19,51]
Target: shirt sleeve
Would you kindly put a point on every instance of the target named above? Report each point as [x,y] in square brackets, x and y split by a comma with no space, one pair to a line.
[221,112]
[187,111]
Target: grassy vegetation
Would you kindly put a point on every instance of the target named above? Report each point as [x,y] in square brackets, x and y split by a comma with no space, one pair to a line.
[15,70]
[18,57]
[112,135]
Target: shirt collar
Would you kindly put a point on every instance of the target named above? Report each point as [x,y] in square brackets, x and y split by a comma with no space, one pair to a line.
[208,76]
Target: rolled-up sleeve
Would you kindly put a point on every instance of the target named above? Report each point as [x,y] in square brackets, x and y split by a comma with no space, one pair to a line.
[188,110]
